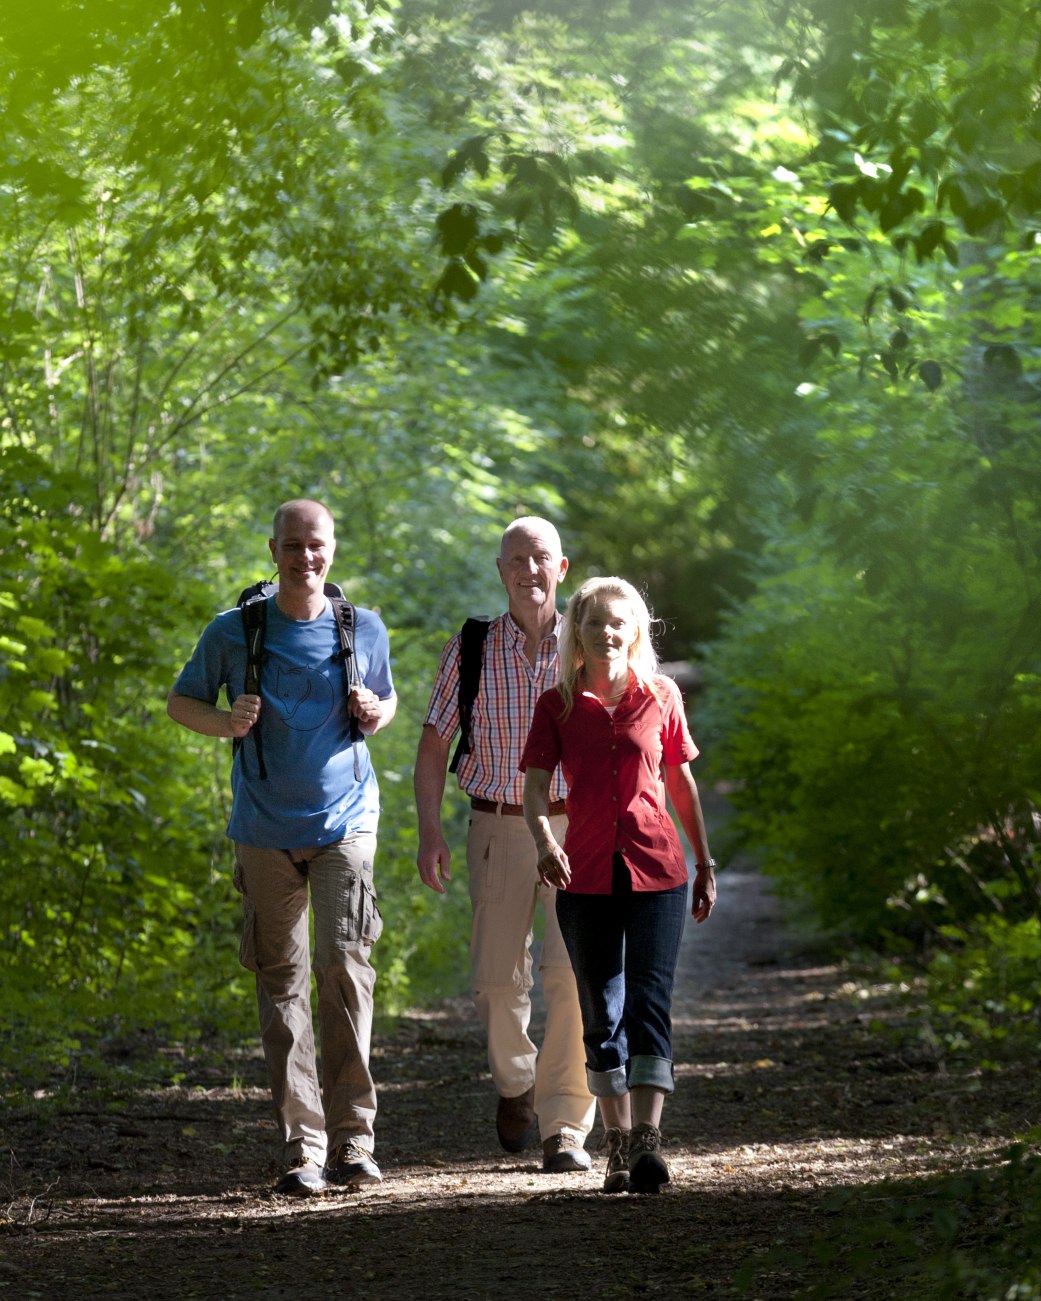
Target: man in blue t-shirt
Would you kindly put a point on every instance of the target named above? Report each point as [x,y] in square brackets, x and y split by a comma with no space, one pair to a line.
[310,823]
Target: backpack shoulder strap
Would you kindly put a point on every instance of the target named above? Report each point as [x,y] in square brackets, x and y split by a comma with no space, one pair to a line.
[471,661]
[253,603]
[343,612]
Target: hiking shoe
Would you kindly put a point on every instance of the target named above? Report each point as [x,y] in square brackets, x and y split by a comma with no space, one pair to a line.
[564,1152]
[647,1168]
[515,1121]
[302,1177]
[351,1166]
[616,1143]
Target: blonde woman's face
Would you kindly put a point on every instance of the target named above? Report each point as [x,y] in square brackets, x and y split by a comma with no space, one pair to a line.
[607,630]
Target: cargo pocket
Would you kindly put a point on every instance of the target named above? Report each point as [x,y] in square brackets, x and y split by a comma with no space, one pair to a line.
[248,940]
[361,921]
[488,866]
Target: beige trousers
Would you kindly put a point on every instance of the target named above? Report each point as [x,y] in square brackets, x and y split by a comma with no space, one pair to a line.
[274,884]
[504,892]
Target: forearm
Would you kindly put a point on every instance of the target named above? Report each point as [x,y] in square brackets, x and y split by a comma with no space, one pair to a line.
[553,866]
[536,808]
[428,779]
[199,715]
[683,793]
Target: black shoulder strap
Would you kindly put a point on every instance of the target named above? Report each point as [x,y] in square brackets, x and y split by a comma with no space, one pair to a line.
[343,611]
[254,624]
[471,661]
[253,603]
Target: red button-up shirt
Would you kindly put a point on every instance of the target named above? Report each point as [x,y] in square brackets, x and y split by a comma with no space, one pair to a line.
[612,764]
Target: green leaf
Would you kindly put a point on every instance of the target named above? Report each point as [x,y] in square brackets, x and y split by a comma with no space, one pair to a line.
[457,228]
[471,153]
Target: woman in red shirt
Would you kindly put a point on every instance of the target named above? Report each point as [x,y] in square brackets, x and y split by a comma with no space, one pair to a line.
[618,731]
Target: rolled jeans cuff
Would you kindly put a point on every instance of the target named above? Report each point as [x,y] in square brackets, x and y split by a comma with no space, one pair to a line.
[607,1084]
[654,1072]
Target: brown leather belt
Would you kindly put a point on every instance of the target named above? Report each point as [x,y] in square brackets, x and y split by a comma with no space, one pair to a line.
[556,807]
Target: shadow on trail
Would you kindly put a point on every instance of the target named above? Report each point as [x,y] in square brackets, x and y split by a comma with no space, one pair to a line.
[792,1106]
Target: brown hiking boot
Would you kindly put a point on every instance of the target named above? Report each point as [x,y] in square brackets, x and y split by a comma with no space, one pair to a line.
[564,1152]
[515,1121]
[647,1168]
[616,1177]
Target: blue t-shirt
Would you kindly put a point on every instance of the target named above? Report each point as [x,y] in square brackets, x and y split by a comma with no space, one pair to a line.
[311,796]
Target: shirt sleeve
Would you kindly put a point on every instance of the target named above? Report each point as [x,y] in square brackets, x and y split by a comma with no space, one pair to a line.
[377,675]
[208,669]
[542,748]
[677,744]
[443,711]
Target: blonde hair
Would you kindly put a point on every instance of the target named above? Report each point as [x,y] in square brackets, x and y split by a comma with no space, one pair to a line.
[642,660]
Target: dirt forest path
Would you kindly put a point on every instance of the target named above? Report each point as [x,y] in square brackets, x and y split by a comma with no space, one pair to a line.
[790,1086]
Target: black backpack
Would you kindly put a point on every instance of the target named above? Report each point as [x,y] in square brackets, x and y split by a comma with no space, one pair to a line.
[471,660]
[253,604]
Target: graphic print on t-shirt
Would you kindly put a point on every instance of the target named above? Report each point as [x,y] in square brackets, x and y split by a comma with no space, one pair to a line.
[305,698]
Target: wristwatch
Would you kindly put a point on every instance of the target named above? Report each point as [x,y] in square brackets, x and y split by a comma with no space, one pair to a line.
[709,862]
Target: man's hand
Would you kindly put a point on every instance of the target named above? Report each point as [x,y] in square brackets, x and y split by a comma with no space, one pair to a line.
[366,706]
[434,860]
[245,710]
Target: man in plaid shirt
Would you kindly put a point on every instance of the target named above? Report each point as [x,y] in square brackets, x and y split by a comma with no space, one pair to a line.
[543,1092]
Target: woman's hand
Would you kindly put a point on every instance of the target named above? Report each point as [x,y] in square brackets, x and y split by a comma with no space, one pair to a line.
[554,868]
[703,896]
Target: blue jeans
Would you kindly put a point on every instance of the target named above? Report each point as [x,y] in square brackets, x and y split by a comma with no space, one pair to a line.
[624,947]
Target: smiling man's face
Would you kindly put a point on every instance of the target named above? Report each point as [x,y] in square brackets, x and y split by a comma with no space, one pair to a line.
[530,566]
[303,549]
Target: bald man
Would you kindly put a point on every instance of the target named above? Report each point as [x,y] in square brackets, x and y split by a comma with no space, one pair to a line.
[307,828]
[543,1092]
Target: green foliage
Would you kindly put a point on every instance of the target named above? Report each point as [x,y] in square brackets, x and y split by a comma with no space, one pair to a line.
[967,1237]
[422,954]
[877,698]
[177,232]
[926,114]
[640,180]
[983,986]
[108,887]
[441,264]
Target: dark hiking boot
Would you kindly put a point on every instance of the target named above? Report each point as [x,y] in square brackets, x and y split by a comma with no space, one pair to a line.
[616,1143]
[647,1168]
[564,1152]
[352,1166]
[515,1121]
[302,1177]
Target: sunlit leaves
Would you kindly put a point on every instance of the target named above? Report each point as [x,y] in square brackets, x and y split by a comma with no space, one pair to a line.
[940,99]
